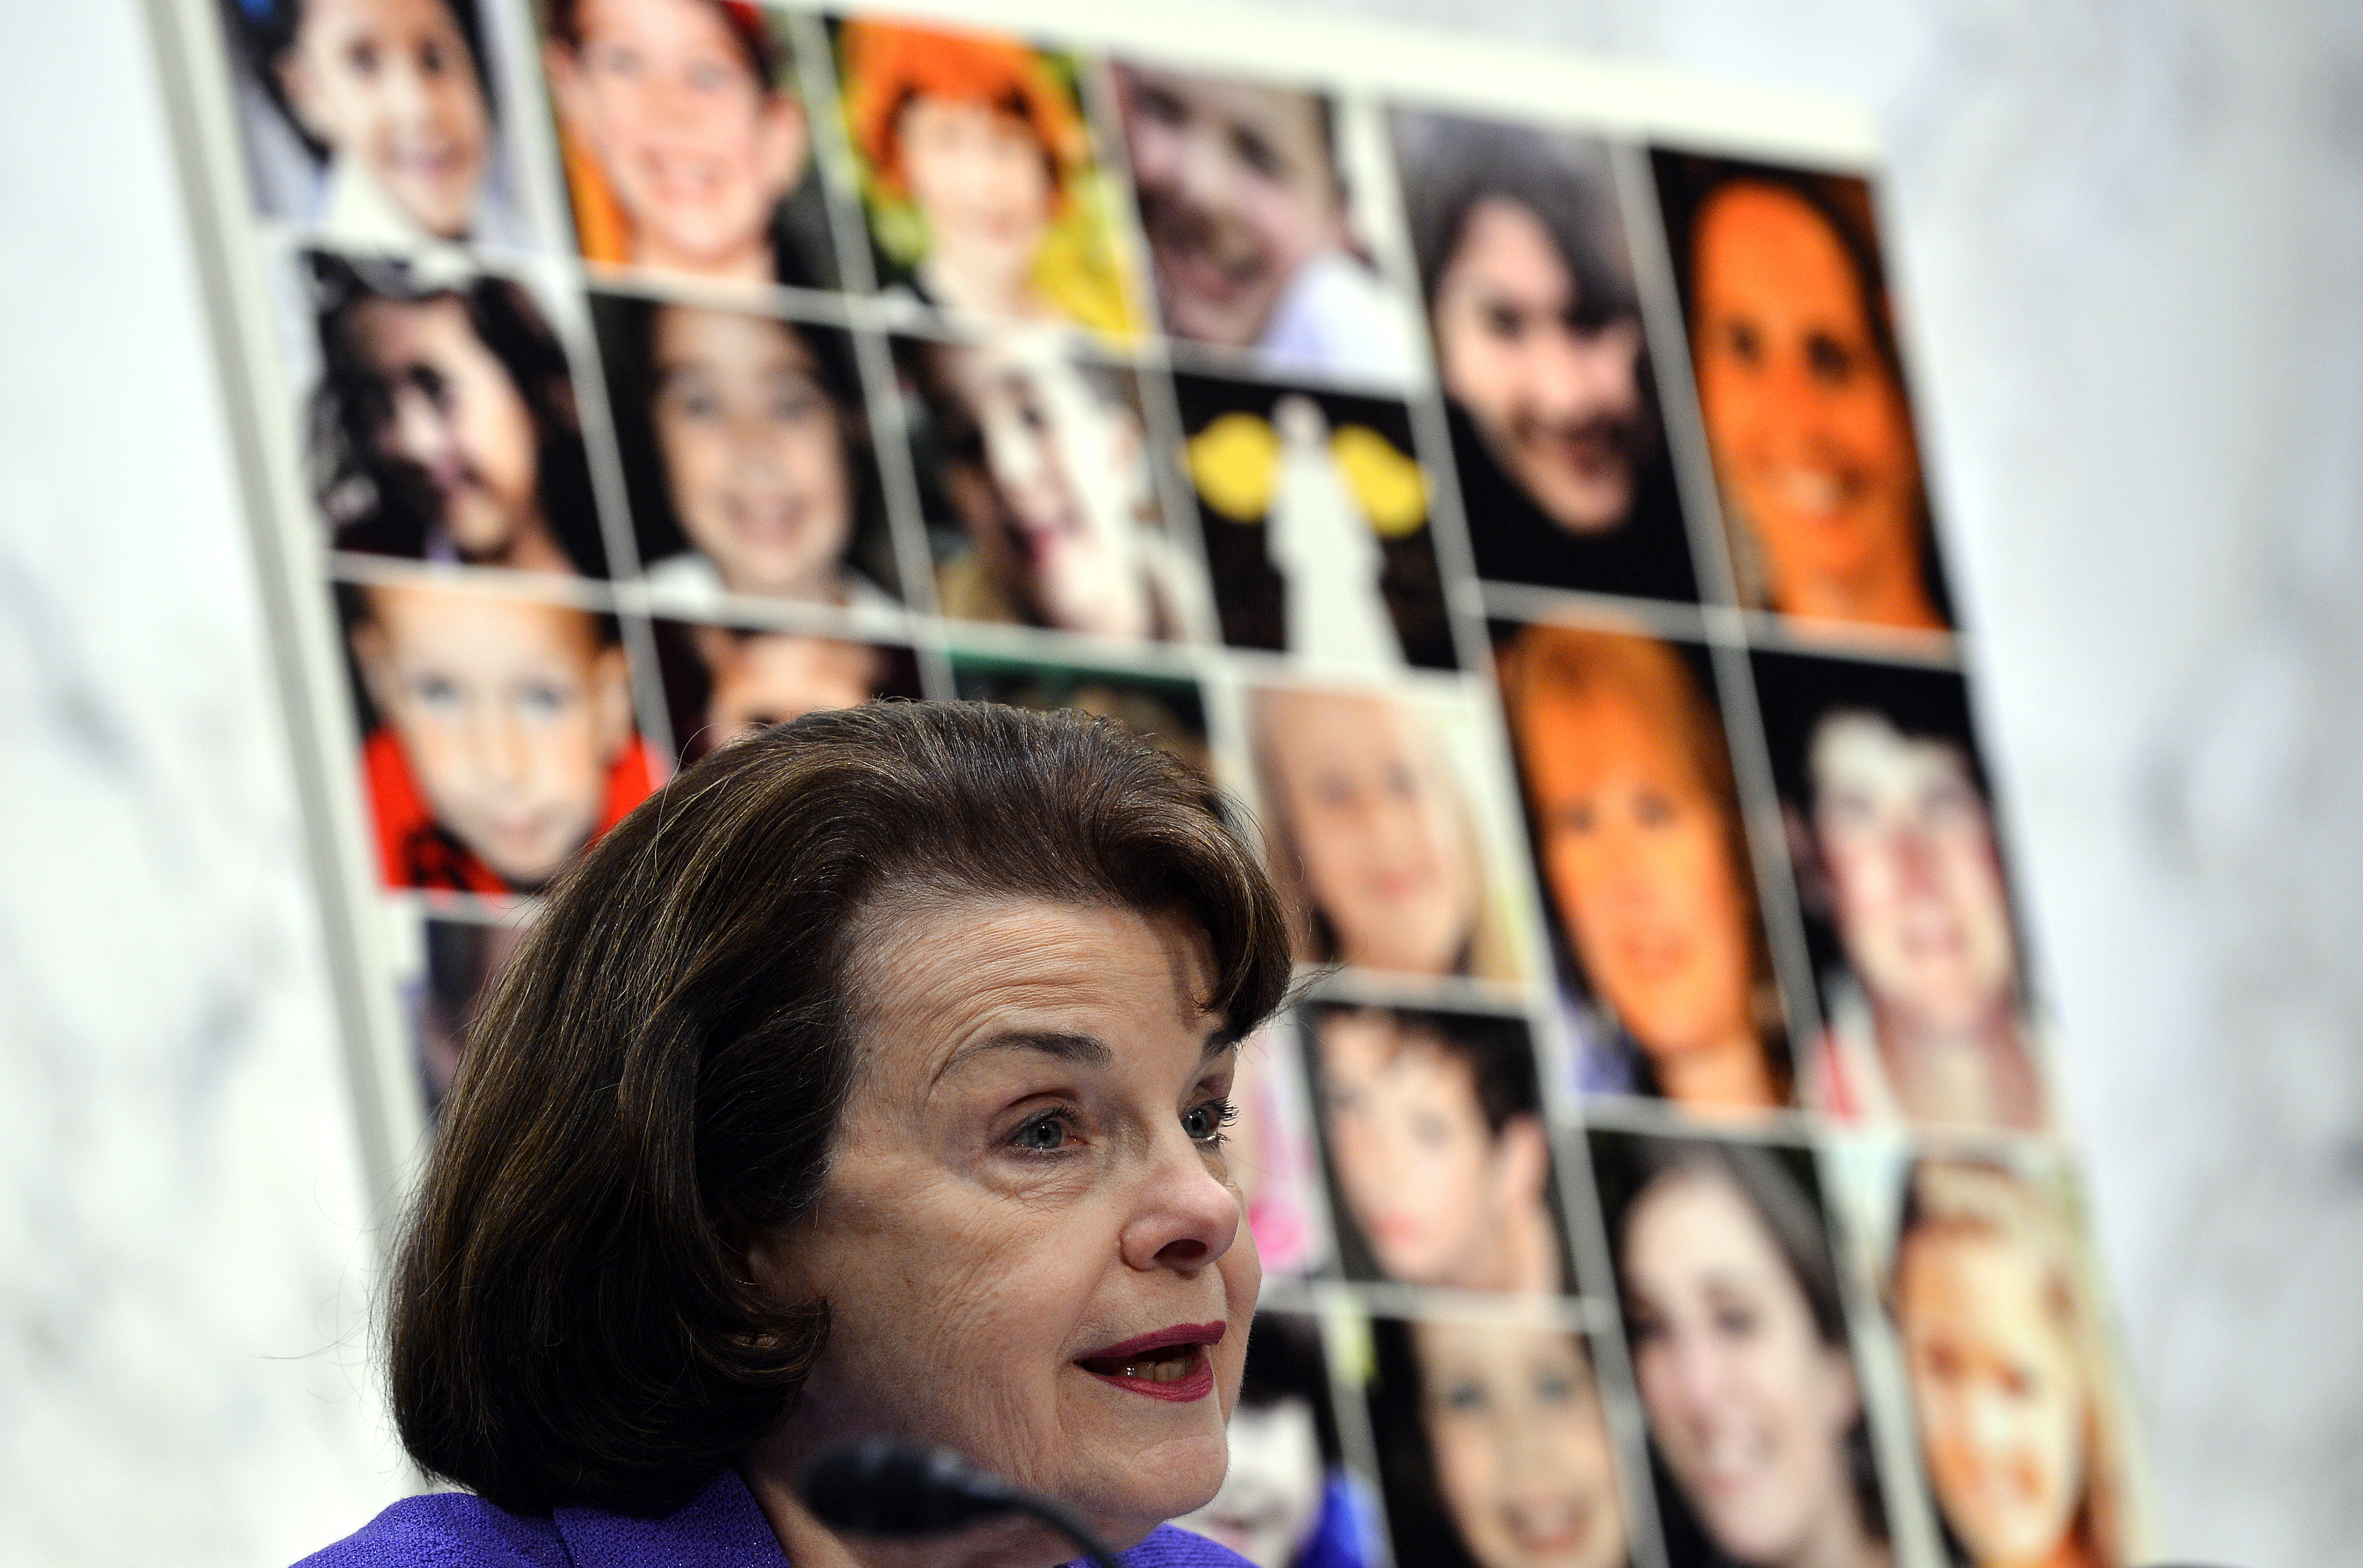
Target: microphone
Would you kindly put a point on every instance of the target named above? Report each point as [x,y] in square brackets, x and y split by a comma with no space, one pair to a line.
[878,1486]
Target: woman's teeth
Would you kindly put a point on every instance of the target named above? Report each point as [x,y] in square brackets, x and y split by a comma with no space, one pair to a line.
[1154,1366]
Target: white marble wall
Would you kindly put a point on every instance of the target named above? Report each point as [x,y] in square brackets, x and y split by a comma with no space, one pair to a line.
[182,1263]
[2132,233]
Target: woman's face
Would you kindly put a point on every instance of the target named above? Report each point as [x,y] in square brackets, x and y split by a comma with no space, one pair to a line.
[1427,1179]
[1559,404]
[1521,1446]
[1067,467]
[754,451]
[1748,1406]
[983,180]
[696,149]
[391,85]
[2002,1401]
[1639,861]
[1271,1499]
[1915,875]
[451,411]
[1031,1248]
[1377,827]
[1809,429]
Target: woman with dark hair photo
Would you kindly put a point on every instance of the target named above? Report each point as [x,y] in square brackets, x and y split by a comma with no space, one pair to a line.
[1544,364]
[1739,1338]
[444,426]
[1494,1446]
[1801,385]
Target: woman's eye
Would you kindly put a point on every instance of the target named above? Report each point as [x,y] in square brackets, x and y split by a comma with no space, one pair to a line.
[1654,809]
[1462,1398]
[1832,361]
[1205,1123]
[1736,1323]
[1045,1134]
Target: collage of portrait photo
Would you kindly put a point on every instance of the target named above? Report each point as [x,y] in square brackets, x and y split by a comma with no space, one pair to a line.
[1527,528]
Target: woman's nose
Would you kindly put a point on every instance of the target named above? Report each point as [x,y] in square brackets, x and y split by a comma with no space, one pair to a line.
[1185,1215]
[1698,1375]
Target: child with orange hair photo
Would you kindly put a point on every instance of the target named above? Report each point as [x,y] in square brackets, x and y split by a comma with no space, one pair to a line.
[977,169]
[500,736]
[686,148]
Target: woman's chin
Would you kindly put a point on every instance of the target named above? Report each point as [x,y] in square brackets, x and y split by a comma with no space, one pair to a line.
[1141,1486]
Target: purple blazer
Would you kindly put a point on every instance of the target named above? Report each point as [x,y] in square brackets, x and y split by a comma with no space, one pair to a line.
[719,1528]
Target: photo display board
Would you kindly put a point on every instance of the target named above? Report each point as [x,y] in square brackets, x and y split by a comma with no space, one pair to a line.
[1497,470]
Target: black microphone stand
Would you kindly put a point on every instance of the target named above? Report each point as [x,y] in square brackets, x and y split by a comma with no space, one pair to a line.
[880,1488]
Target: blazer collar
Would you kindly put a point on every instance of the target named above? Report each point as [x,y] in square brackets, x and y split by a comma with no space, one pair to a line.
[721,1527]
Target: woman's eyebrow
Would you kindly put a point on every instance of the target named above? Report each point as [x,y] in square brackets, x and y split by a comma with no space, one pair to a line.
[1081,1050]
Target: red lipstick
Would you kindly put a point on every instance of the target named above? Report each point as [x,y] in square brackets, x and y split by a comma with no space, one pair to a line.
[1171,1364]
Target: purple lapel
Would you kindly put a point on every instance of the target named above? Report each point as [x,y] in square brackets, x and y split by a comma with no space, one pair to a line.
[720,1527]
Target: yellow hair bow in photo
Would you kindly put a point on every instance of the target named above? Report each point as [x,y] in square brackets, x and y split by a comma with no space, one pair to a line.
[1234,463]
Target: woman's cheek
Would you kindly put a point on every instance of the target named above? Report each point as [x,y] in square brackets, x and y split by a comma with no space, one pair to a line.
[698,461]
[817,458]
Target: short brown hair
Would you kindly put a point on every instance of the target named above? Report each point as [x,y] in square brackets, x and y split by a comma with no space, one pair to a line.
[660,1075]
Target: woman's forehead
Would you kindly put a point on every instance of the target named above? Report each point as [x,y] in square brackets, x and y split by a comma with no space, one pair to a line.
[951,970]
[1694,1222]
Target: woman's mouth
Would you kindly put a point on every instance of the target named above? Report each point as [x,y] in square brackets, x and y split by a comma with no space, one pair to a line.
[1549,1527]
[1172,1363]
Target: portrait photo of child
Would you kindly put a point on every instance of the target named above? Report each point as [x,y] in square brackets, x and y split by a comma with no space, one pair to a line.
[1041,490]
[747,457]
[1439,1163]
[1249,213]
[724,683]
[982,177]
[443,425]
[686,144]
[374,123]
[499,735]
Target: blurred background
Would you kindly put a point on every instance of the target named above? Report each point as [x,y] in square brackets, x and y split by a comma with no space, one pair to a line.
[2130,239]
